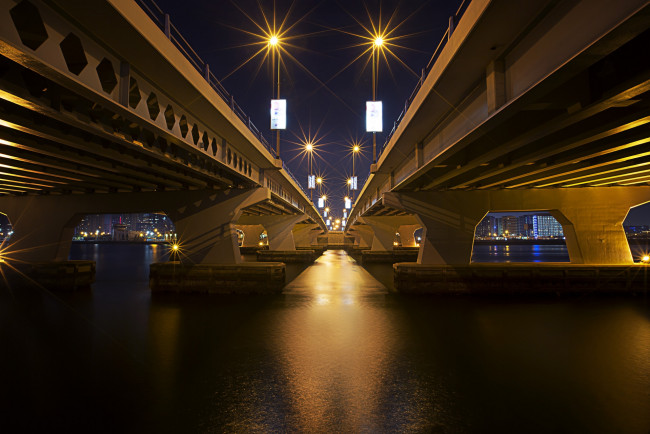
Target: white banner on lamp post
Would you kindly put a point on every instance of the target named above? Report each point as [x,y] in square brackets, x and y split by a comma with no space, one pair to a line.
[373,117]
[278,114]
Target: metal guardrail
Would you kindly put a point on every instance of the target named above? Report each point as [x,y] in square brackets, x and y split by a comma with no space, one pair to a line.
[173,34]
[453,20]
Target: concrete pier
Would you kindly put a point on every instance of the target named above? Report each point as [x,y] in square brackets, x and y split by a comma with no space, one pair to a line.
[520,279]
[389,256]
[53,276]
[243,278]
[287,256]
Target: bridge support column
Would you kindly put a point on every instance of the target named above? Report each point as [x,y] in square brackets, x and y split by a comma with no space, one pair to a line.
[305,234]
[207,228]
[407,235]
[594,235]
[384,229]
[592,219]
[364,236]
[43,228]
[204,219]
[251,234]
[279,229]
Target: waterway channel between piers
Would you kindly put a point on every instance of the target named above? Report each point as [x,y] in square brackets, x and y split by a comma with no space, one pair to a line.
[336,351]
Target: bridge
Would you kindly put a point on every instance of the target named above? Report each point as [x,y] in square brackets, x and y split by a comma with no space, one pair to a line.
[105,108]
[526,106]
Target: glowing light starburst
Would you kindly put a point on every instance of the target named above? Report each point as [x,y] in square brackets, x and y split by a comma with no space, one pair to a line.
[379,40]
[273,36]
[177,251]
[310,145]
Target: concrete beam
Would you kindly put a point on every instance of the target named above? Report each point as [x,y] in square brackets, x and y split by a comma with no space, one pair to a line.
[592,219]
[496,85]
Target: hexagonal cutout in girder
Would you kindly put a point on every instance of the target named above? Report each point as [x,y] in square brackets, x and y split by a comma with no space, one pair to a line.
[195,134]
[169,117]
[206,141]
[214,147]
[134,93]
[152,106]
[29,24]
[73,53]
[107,76]
[228,157]
[182,123]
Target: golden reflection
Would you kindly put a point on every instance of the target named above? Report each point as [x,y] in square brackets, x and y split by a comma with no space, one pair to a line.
[164,323]
[602,345]
[345,367]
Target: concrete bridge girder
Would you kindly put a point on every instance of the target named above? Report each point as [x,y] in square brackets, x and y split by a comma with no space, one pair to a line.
[592,219]
[204,219]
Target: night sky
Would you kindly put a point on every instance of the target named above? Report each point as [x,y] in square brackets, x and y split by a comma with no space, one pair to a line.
[325,99]
[325,90]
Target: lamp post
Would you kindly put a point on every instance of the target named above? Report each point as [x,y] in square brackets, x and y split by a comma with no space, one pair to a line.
[378,42]
[274,42]
[355,150]
[309,148]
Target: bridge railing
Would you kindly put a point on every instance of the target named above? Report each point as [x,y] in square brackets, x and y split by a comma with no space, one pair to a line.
[163,21]
[453,20]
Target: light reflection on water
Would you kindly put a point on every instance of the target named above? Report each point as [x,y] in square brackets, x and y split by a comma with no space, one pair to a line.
[336,351]
[520,253]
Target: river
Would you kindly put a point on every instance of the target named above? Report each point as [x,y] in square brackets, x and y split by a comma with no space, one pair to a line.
[337,351]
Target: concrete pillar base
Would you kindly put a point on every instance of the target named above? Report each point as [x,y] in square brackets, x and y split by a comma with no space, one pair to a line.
[53,276]
[520,279]
[279,229]
[385,228]
[287,256]
[592,219]
[244,278]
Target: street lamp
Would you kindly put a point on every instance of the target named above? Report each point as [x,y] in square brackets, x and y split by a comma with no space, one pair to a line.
[376,46]
[274,46]
[309,148]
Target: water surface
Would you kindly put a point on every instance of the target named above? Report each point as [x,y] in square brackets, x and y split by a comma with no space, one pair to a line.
[336,351]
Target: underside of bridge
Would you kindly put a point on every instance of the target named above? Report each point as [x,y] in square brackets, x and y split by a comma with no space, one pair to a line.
[83,131]
[574,142]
